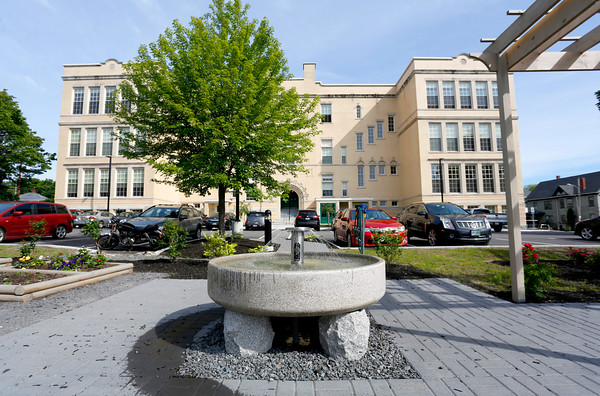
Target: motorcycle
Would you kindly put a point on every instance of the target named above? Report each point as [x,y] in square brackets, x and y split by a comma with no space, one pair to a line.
[129,236]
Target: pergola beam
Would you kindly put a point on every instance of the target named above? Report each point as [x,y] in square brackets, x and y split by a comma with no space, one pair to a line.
[560,61]
[586,42]
[564,18]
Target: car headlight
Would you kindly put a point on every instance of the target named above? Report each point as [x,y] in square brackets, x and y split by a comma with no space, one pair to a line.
[447,223]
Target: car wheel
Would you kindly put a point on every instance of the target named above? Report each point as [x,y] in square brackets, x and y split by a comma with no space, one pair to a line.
[60,232]
[348,240]
[2,234]
[198,234]
[318,228]
[587,233]
[497,228]
[432,237]
[101,224]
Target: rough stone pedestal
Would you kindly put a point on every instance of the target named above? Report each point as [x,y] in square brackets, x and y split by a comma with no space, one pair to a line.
[345,336]
[247,334]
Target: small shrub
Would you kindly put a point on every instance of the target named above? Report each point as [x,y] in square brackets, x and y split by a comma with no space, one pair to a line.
[217,246]
[175,237]
[311,237]
[259,249]
[538,276]
[91,229]
[36,229]
[29,262]
[388,246]
[83,259]
[582,256]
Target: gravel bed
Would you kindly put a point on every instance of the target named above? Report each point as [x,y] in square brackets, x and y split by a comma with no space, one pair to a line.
[206,358]
[17,315]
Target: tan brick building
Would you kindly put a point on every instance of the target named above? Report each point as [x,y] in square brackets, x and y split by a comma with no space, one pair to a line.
[435,133]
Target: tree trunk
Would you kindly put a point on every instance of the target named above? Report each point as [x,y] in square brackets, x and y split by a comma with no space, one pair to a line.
[221,209]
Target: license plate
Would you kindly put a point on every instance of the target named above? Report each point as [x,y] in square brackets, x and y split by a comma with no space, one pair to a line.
[475,233]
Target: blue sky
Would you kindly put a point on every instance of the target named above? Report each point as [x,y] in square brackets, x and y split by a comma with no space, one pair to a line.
[351,41]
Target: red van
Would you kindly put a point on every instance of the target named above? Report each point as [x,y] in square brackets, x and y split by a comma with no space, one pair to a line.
[15,218]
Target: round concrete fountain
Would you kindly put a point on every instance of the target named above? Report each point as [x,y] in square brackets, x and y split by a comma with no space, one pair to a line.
[335,287]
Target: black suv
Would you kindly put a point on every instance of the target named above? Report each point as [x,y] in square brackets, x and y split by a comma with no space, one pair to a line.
[188,217]
[308,218]
[438,222]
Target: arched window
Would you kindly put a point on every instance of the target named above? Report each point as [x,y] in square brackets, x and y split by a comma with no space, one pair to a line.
[358,111]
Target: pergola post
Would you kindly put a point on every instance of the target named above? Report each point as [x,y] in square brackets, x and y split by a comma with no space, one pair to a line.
[511,182]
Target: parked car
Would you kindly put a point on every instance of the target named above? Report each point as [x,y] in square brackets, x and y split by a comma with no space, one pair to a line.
[213,221]
[445,222]
[255,221]
[345,231]
[15,218]
[187,216]
[588,229]
[119,217]
[101,216]
[77,219]
[496,220]
[308,218]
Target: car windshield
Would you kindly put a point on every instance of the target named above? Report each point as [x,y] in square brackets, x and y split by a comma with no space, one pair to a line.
[6,206]
[255,214]
[372,215]
[161,212]
[439,209]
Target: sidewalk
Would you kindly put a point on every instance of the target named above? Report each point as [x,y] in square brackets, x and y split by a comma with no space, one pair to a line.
[460,340]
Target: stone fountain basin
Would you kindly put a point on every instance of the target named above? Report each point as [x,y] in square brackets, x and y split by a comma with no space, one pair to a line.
[310,291]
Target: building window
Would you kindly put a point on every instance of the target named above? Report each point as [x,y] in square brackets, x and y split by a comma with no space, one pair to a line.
[126,103]
[452,137]
[358,111]
[371,135]
[471,178]
[468,137]
[464,90]
[325,113]
[344,189]
[75,145]
[481,92]
[103,182]
[448,94]
[393,170]
[432,95]
[94,100]
[109,100]
[372,172]
[381,170]
[359,142]
[88,183]
[107,141]
[382,204]
[343,149]
[361,176]
[121,183]
[591,201]
[547,205]
[326,151]
[495,100]
[454,178]
[77,100]
[72,183]
[394,203]
[327,183]
[379,129]
[487,178]
[436,185]
[122,144]
[435,137]
[391,124]
[485,137]
[138,182]
[90,142]
[561,203]
[498,137]
[501,178]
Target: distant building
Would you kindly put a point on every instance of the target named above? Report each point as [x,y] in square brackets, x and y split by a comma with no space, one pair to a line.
[434,134]
[561,201]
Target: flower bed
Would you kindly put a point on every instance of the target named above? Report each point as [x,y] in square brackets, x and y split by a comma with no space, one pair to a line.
[65,280]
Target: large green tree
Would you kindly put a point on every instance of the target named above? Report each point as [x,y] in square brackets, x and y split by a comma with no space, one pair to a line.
[21,153]
[209,109]
[598,98]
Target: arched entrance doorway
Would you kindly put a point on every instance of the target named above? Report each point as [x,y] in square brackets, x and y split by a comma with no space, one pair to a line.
[289,207]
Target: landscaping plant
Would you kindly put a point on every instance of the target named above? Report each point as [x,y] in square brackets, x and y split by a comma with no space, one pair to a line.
[35,232]
[388,246]
[583,256]
[83,259]
[538,276]
[92,229]
[217,246]
[175,237]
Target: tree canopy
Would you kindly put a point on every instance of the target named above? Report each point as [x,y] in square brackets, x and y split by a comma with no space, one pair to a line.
[598,99]
[22,155]
[209,109]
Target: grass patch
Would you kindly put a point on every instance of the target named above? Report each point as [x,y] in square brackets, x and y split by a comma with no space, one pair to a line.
[13,251]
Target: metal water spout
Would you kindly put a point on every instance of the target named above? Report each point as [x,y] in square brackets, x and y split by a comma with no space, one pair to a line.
[297,245]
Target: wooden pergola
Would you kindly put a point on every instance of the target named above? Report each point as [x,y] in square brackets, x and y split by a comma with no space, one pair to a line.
[523,47]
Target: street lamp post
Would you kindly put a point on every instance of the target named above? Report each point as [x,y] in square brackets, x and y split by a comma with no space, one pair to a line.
[109,176]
